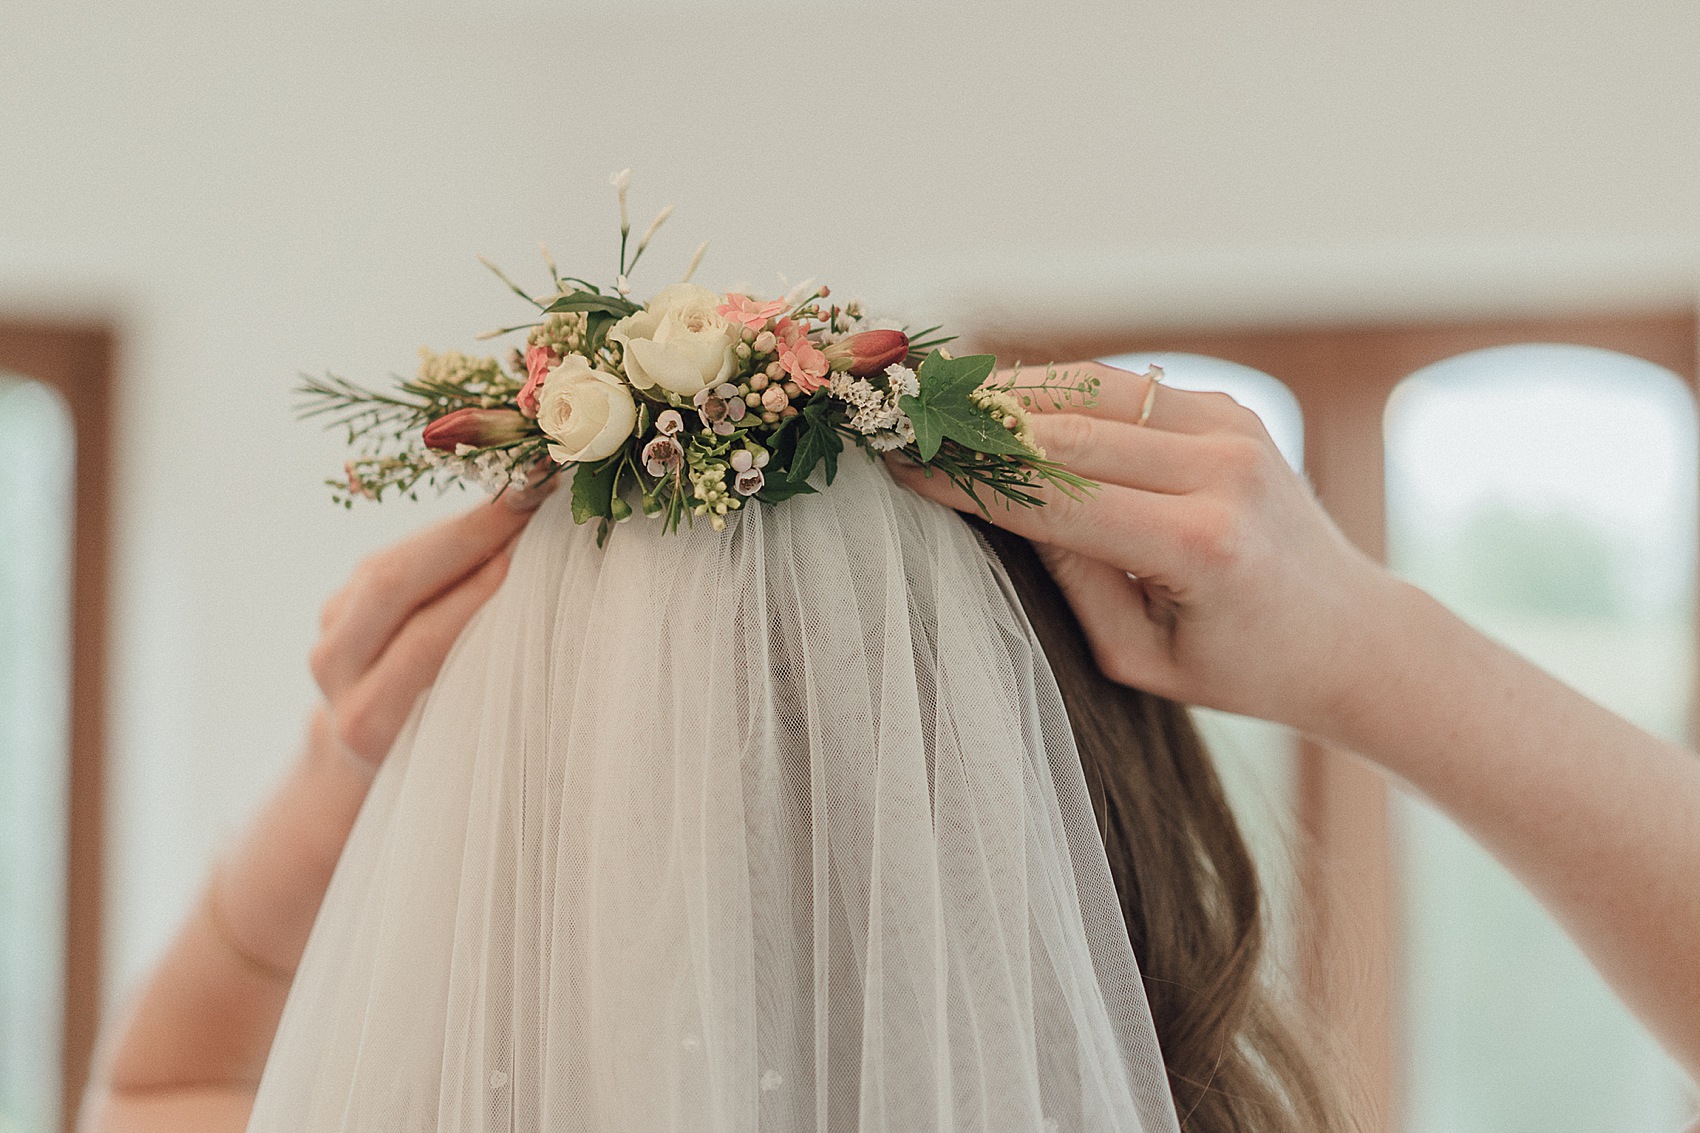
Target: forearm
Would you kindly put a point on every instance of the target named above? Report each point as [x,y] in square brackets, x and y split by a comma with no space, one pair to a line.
[203,1023]
[189,1053]
[1600,819]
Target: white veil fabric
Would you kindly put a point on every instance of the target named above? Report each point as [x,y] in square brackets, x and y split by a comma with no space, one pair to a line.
[776,829]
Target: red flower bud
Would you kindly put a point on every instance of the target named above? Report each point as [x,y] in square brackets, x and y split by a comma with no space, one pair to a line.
[480,428]
[868,352]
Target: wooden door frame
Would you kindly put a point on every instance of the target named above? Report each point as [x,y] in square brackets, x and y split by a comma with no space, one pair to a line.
[78,359]
[1342,376]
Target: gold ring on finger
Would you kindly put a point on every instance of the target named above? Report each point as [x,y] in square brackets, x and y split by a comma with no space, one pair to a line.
[1154,378]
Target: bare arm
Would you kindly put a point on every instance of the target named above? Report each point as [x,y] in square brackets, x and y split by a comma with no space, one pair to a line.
[1598,818]
[187,1056]
[1246,597]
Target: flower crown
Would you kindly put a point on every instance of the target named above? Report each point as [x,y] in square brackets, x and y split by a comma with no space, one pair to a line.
[695,401]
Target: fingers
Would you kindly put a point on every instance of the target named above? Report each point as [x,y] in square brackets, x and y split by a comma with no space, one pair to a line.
[1131,642]
[371,712]
[361,620]
[1121,395]
[1115,452]
[1140,532]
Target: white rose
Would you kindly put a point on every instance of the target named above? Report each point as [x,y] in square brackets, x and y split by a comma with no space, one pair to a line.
[679,342]
[589,412]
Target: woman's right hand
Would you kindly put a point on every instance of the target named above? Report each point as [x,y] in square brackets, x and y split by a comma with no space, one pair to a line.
[384,635]
[186,1055]
[1243,594]
[382,640]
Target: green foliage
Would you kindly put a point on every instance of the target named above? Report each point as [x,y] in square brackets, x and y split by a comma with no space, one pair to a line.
[781,446]
[819,442]
[810,438]
[593,488]
[943,408]
[924,342]
[954,434]
[600,312]
[1014,481]
[587,301]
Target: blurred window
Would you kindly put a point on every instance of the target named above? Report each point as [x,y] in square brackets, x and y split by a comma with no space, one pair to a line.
[1546,494]
[35,550]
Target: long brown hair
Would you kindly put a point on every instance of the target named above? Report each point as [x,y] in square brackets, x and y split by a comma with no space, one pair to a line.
[1236,1051]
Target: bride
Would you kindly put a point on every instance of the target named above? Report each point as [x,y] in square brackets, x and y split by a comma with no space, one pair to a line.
[844,821]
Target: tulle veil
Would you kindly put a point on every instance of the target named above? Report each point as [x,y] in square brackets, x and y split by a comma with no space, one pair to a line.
[775,829]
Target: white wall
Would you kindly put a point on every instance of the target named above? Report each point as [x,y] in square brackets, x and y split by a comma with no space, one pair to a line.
[259,189]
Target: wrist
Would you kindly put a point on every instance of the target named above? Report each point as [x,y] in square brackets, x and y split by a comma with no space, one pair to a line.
[330,783]
[1392,638]
[266,893]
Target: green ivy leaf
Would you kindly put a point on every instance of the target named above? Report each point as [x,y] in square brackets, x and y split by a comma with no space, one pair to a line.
[943,377]
[819,442]
[593,489]
[942,408]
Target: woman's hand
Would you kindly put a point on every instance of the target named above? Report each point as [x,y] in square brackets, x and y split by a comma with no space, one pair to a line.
[1248,598]
[1244,595]
[190,1051]
[384,635]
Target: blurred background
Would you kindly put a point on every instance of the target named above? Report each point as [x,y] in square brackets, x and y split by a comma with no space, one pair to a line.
[1447,248]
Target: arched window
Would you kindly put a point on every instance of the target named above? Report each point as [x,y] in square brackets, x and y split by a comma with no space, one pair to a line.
[1547,494]
[35,554]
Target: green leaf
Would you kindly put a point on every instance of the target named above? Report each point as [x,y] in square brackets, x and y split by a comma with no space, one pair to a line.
[585,301]
[593,489]
[943,377]
[942,408]
[596,327]
[818,443]
[782,442]
[975,428]
[929,428]
[778,490]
